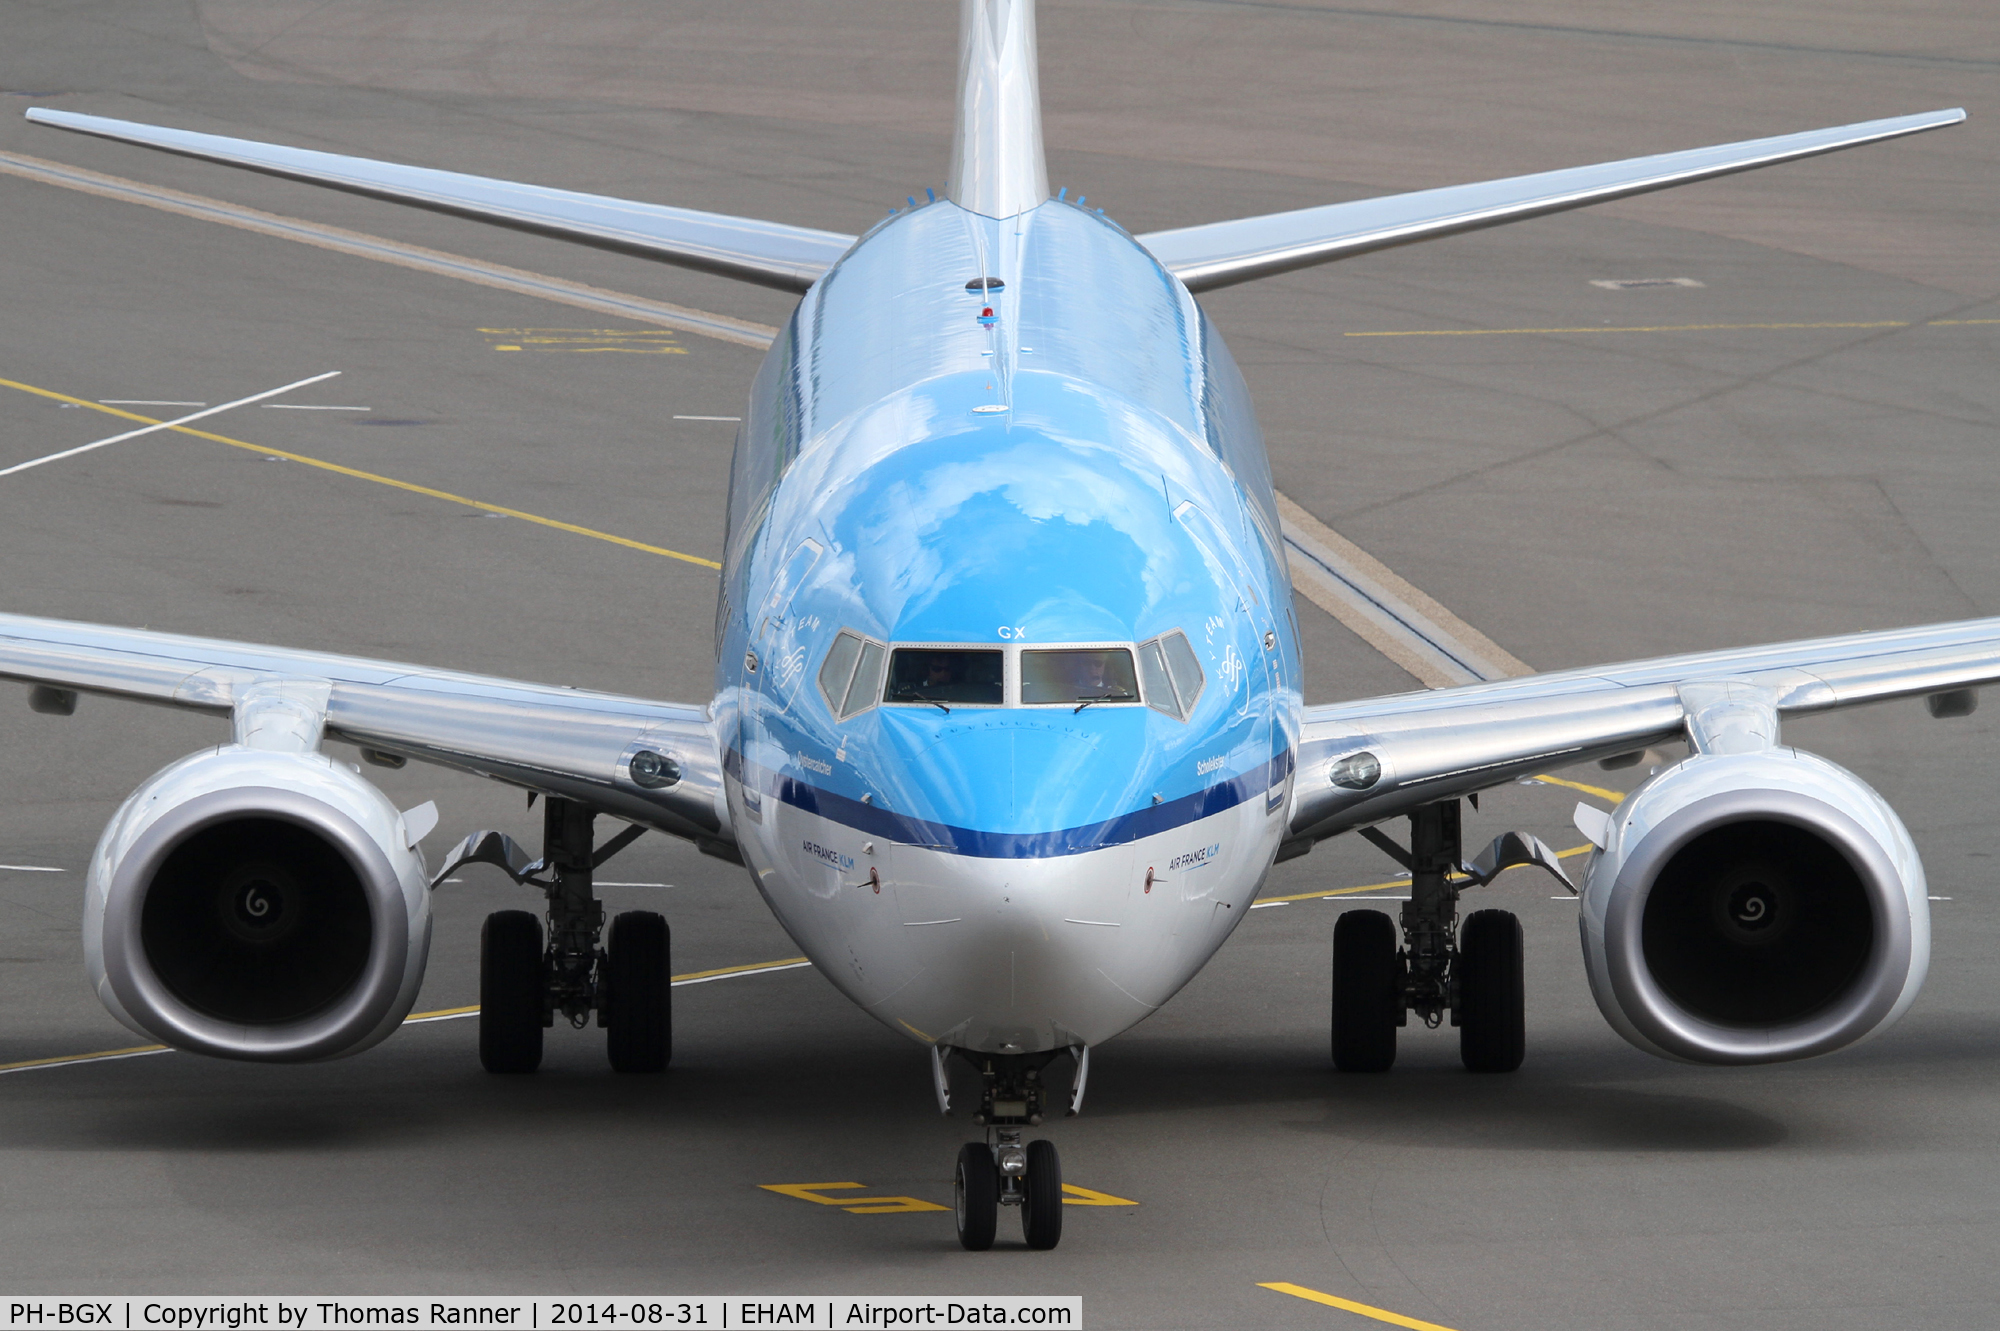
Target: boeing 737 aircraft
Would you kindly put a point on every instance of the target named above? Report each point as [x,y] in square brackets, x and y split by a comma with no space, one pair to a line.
[1007,726]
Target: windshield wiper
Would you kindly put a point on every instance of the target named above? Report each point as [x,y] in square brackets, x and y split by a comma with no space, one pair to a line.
[1103,697]
[911,695]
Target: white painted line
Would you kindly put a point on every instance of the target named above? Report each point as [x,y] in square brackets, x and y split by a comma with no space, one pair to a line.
[1628,283]
[144,402]
[165,425]
[718,326]
[1363,897]
[1940,898]
[708,418]
[445,1016]
[1266,905]
[732,975]
[1392,616]
[294,406]
[31,868]
[602,883]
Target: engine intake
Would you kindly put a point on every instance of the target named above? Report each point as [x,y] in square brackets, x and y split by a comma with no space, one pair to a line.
[1754,907]
[258,905]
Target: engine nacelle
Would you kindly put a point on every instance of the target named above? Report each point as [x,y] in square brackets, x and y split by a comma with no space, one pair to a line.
[1754,907]
[257,905]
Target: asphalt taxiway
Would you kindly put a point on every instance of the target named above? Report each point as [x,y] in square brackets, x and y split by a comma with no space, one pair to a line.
[1797,438]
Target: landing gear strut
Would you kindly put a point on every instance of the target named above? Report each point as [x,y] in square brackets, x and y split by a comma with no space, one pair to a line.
[524,983]
[1472,973]
[1002,1170]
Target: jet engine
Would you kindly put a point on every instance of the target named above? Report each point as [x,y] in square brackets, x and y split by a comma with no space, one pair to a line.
[258,905]
[1754,907]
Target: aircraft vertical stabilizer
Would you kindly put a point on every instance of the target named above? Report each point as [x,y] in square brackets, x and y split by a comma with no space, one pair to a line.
[996,154]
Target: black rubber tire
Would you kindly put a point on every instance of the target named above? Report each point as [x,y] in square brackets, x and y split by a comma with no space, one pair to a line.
[1041,1208]
[1366,1001]
[1492,1023]
[976,1197]
[637,1010]
[510,992]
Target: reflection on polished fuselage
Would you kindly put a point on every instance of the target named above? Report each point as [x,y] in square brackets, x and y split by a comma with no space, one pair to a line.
[1004,435]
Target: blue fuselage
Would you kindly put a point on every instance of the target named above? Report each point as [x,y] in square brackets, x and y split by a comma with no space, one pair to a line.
[1003,435]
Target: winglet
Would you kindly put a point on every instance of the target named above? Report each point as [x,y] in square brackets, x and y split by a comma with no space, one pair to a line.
[997,168]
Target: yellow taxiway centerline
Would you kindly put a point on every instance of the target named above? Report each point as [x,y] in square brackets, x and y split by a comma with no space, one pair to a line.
[134,1052]
[360,475]
[440,1014]
[1614,796]
[1349,1305]
[1571,853]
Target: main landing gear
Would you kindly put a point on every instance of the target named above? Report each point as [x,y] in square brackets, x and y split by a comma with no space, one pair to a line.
[524,983]
[1475,976]
[1002,1170]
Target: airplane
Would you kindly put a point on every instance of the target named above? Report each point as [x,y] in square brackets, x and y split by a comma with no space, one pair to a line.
[1007,726]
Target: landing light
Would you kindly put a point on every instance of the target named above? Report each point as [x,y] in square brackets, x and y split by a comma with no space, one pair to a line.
[1357,771]
[654,771]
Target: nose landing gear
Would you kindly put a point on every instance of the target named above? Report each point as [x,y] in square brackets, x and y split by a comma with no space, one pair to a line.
[1003,1170]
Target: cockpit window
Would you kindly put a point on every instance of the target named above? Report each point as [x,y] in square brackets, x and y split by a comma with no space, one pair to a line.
[1078,675]
[852,672]
[946,675]
[1159,685]
[1173,676]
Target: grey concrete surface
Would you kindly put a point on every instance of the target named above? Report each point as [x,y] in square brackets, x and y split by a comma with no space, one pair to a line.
[1577,496]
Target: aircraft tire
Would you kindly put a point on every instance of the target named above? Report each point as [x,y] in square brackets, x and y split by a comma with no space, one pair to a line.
[976,1197]
[1366,1004]
[637,1010]
[1492,1025]
[510,992]
[1041,1209]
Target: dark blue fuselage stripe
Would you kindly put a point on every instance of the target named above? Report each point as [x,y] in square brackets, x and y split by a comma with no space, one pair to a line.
[873,820]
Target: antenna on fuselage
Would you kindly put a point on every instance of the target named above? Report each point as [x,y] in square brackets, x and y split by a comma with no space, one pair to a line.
[997,169]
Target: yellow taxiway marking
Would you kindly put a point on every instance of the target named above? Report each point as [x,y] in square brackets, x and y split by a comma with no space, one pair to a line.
[1615,796]
[1404,881]
[1668,328]
[752,968]
[134,1052]
[359,475]
[1349,1305]
[814,1192]
[439,1014]
[810,1192]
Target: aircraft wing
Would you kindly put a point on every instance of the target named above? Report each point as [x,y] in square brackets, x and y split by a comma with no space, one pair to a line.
[559,741]
[1451,742]
[1219,254]
[773,254]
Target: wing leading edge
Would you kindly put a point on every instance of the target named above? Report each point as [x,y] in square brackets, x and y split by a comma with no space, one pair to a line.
[1451,742]
[559,741]
[773,254]
[1219,254]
